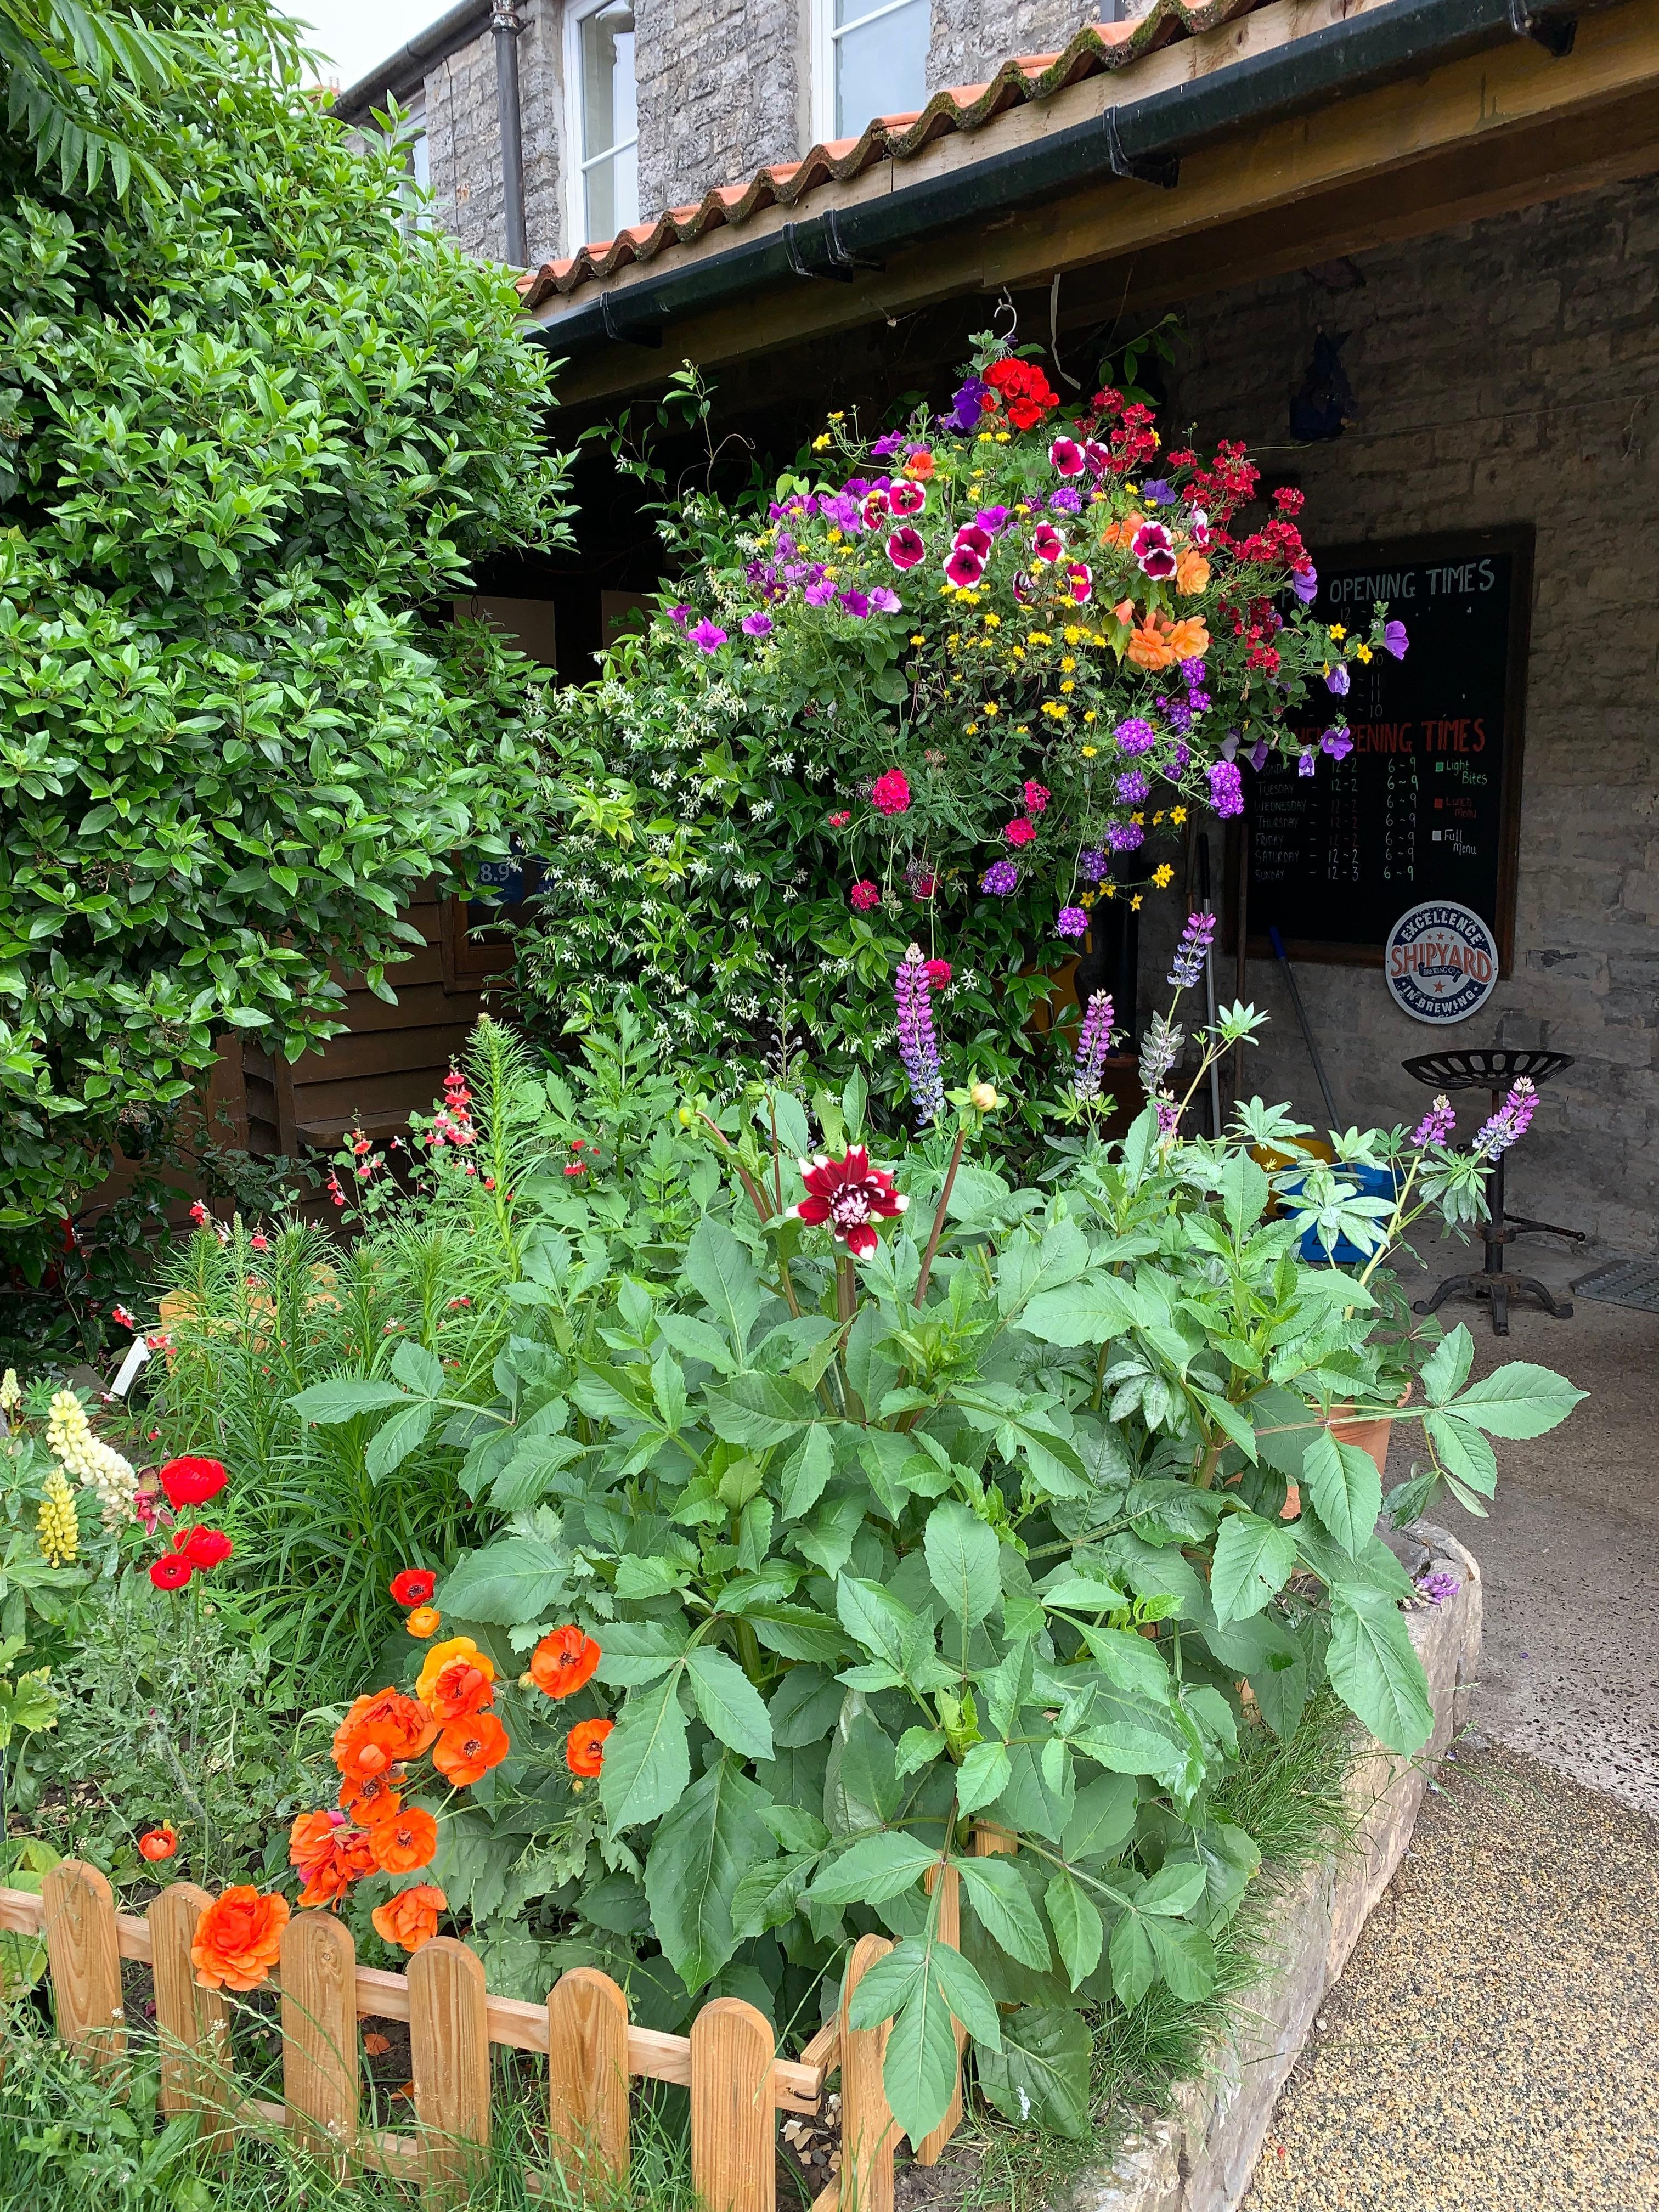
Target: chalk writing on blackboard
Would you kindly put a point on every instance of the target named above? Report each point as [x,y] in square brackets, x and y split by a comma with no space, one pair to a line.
[1423,807]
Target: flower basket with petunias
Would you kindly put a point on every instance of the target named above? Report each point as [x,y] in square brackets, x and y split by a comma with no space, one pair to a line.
[889,1502]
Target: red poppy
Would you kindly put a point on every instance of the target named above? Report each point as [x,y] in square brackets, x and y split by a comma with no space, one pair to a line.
[202,1548]
[584,1747]
[371,1797]
[850,1196]
[192,1481]
[171,1573]
[563,1660]
[157,1844]
[413,1586]
[381,1731]
[406,1841]
[468,1748]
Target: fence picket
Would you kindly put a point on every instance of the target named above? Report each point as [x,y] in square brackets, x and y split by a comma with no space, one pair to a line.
[868,2130]
[733,2141]
[86,1962]
[191,2023]
[587,2075]
[449,2047]
[929,2148]
[319,2033]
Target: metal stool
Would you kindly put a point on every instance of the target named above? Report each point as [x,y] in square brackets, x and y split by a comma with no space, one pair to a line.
[1494,1069]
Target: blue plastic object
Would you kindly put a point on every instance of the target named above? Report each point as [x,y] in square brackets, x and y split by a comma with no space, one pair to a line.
[1371,1182]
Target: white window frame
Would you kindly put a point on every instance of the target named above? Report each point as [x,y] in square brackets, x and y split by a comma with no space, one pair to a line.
[825,37]
[575,195]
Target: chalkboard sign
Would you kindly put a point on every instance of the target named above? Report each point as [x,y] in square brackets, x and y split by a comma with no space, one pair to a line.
[1426,806]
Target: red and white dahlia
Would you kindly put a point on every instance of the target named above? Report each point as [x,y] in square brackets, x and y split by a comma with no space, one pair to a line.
[850,1196]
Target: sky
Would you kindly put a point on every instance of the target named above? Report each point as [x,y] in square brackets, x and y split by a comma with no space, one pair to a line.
[355,34]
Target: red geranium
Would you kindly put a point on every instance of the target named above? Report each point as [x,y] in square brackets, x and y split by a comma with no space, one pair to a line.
[851,1196]
[413,1586]
[192,1481]
[1026,391]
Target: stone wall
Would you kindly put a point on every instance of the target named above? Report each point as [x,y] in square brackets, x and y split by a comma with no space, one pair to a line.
[1506,372]
[969,41]
[463,140]
[722,89]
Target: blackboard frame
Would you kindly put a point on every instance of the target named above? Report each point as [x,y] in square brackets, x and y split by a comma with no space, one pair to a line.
[1518,540]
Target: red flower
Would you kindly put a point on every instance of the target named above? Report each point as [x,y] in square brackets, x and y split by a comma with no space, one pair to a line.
[157,1844]
[192,1481]
[584,1747]
[1020,832]
[907,498]
[851,1196]
[171,1573]
[1047,542]
[1026,391]
[1065,456]
[202,1548]
[413,1586]
[971,538]
[839,821]
[937,973]
[863,896]
[891,793]
[906,547]
[563,1660]
[964,568]
[120,1314]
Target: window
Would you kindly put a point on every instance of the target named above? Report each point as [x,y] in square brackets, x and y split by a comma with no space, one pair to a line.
[601,125]
[871,59]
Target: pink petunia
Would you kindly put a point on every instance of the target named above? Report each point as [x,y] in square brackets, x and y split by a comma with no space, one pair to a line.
[971,538]
[1047,543]
[1154,549]
[1082,579]
[905,548]
[964,568]
[907,498]
[1065,457]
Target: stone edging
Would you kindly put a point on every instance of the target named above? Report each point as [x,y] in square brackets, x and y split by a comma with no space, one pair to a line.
[1201,2157]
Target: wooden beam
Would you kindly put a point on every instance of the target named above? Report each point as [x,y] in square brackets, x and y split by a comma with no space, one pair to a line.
[1479,105]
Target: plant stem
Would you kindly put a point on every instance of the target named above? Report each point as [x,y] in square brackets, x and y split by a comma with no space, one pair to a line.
[939,1218]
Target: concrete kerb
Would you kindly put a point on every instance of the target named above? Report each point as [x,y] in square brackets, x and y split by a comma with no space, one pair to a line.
[1201,2157]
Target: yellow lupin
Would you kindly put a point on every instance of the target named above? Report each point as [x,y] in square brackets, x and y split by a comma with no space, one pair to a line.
[56,1531]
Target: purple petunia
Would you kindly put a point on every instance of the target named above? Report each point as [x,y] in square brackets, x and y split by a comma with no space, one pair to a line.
[1071,921]
[1304,583]
[680,615]
[1337,680]
[1136,735]
[887,445]
[820,593]
[757,625]
[964,412]
[707,636]
[1000,879]
[856,602]
[1336,742]
[992,519]
[1258,755]
[885,602]
[1158,493]
[1226,788]
[1394,639]
[1305,763]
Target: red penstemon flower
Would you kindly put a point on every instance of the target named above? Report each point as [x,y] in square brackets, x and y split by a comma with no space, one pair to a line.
[850,1196]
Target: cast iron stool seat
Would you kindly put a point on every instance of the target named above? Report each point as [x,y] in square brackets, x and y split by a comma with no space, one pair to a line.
[1495,1069]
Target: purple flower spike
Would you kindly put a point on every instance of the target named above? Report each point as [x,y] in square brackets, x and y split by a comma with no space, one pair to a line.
[1000,879]
[918,1046]
[1436,1124]
[707,636]
[1509,1123]
[1226,788]
[1071,921]
[1394,639]
[1190,954]
[1093,1043]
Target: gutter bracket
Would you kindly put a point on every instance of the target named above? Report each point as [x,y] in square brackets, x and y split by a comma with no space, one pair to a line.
[838,262]
[623,329]
[1554,33]
[1163,169]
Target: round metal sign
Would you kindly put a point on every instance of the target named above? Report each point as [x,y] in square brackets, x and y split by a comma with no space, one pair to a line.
[1440,962]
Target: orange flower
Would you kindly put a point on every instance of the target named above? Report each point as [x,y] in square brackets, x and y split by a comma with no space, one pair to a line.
[373,1798]
[331,1855]
[920,465]
[1192,571]
[1120,533]
[1149,648]
[311,1840]
[159,1843]
[237,1939]
[1188,640]
[455,1679]
[404,1842]
[1124,612]
[381,1731]
[562,1662]
[584,1747]
[469,1748]
[423,1621]
[409,1919]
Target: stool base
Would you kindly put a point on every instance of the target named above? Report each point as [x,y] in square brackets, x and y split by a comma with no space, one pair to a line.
[1495,1285]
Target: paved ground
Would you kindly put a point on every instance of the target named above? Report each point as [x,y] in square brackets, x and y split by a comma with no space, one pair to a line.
[1492,2046]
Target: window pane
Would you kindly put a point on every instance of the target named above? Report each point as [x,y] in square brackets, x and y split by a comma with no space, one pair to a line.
[881,67]
[608,106]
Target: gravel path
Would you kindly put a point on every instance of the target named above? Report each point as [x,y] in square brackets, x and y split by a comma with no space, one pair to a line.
[1493,2046]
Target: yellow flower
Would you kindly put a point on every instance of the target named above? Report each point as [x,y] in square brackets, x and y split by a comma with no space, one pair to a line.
[834,537]
[1038,637]
[1158,818]
[985,1097]
[1177,814]
[1337,633]
[1068,684]
[1091,716]
[984,439]
[1071,633]
[973,729]
[1088,751]
[1108,890]
[1054,709]
[1135,904]
[56,1532]
[1068,661]
[839,416]
[820,442]
[1017,653]
[918,639]
[1163,876]
[1002,437]
[1363,653]
[1085,899]
[992,708]
[994,621]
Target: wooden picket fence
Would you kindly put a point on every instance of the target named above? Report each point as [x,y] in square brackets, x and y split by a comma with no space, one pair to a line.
[729,2062]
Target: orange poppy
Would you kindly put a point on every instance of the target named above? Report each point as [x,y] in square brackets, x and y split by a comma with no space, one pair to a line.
[469,1748]
[311,1839]
[329,1853]
[381,1731]
[404,1842]
[563,1662]
[238,1938]
[409,1919]
[1188,638]
[1120,533]
[422,1622]
[1192,571]
[373,1798]
[455,1679]
[159,1843]
[584,1747]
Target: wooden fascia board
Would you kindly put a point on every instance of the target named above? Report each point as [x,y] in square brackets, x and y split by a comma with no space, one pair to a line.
[1479,101]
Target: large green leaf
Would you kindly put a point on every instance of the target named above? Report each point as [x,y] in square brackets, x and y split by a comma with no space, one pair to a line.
[1343,1486]
[329,1402]
[961,1560]
[647,1761]
[1003,1904]
[1041,2072]
[723,1275]
[729,1703]
[1091,1312]
[874,1868]
[1374,1668]
[1253,1560]
[519,1578]
[417,1368]
[758,1411]
[706,1842]
[1075,1918]
[1519,1400]
[808,1468]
